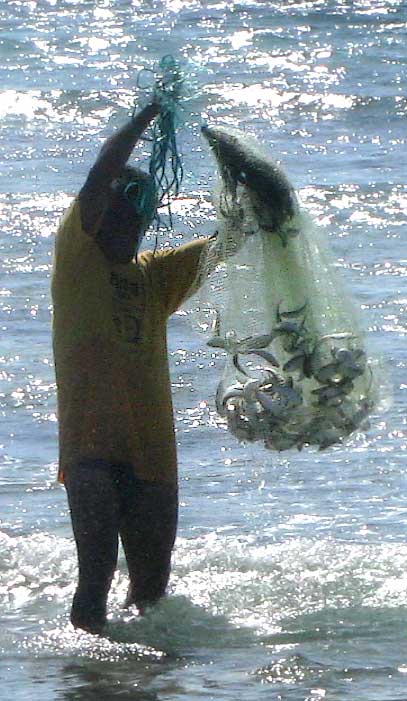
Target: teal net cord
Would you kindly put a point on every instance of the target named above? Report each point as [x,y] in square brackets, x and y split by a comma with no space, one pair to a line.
[165,167]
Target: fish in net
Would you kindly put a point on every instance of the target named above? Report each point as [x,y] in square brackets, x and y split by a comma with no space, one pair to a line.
[297,371]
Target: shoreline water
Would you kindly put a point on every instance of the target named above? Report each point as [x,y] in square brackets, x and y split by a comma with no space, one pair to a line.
[290,571]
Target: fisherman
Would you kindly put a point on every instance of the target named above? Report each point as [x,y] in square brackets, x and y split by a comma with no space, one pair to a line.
[117,447]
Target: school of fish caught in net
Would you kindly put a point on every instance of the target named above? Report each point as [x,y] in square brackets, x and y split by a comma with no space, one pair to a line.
[297,372]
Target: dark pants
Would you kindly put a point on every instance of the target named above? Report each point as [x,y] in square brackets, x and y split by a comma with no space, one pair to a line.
[106,501]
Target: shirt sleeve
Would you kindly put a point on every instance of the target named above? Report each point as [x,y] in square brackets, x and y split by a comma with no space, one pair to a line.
[178,270]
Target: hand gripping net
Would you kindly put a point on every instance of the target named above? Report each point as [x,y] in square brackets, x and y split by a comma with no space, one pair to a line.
[172,86]
[297,371]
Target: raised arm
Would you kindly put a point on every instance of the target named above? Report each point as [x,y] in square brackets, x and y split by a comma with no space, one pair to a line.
[113,156]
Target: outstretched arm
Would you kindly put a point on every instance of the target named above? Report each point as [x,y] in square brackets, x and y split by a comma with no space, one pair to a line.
[114,154]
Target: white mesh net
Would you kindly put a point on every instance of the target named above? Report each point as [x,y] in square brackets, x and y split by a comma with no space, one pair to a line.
[297,372]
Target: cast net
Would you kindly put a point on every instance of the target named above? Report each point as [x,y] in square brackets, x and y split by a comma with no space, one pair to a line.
[297,372]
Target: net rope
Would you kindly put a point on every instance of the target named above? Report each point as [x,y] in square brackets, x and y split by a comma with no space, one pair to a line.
[172,85]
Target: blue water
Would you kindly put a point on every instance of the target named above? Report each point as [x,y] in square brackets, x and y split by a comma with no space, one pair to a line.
[290,572]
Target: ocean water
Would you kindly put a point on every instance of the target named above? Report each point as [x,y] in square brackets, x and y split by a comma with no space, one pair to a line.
[290,571]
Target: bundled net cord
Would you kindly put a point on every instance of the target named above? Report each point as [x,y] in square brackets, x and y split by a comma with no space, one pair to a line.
[172,86]
[297,372]
[168,92]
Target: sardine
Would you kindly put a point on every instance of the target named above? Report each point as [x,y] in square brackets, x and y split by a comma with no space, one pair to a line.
[333,391]
[290,314]
[266,355]
[295,363]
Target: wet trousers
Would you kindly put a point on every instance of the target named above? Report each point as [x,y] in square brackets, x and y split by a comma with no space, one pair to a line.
[106,502]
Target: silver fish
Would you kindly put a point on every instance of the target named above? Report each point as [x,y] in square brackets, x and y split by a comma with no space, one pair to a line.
[266,355]
[329,373]
[251,343]
[228,342]
[329,392]
[346,364]
[290,314]
[289,326]
[233,345]
[225,392]
[337,336]
[238,424]
[281,398]
[296,363]
[271,404]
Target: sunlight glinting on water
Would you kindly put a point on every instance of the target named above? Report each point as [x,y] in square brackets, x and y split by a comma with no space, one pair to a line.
[290,576]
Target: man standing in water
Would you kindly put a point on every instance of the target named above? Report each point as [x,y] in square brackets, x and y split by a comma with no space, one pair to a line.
[117,444]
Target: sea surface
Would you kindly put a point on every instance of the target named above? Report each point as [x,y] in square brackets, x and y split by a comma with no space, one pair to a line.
[290,571]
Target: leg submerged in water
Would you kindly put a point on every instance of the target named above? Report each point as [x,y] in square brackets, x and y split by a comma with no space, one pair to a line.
[147,529]
[95,513]
[105,501]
